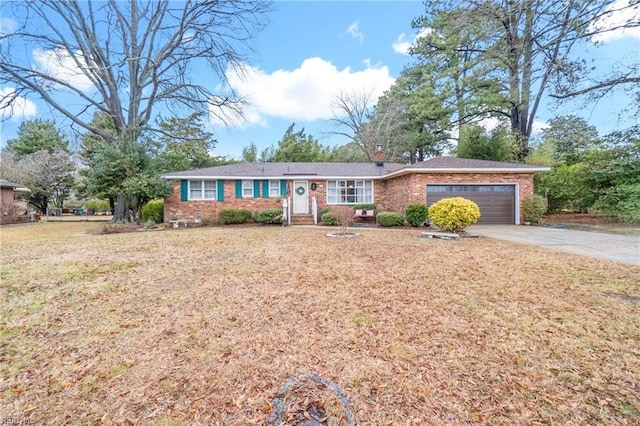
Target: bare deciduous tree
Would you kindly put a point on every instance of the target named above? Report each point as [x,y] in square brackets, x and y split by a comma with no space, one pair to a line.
[353,118]
[48,174]
[125,59]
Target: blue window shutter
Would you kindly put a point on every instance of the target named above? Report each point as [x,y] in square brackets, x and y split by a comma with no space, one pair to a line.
[283,188]
[256,188]
[238,189]
[184,190]
[265,189]
[220,191]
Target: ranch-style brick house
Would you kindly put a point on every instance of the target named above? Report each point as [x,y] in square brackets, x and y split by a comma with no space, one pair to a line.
[305,188]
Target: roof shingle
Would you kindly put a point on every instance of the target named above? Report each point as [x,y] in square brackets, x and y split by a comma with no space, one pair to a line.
[349,170]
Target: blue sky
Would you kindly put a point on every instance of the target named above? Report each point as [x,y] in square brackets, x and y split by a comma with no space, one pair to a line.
[312,51]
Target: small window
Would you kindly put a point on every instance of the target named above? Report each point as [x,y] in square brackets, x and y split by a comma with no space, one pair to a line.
[274,188]
[210,189]
[437,188]
[202,189]
[247,188]
[480,188]
[503,188]
[459,188]
[195,189]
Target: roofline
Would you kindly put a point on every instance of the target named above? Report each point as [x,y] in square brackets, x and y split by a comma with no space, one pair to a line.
[403,171]
[280,177]
[16,188]
[468,170]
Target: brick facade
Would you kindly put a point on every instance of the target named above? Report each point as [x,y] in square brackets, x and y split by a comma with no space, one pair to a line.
[392,194]
[412,188]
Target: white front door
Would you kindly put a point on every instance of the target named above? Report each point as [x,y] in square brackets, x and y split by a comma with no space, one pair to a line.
[300,197]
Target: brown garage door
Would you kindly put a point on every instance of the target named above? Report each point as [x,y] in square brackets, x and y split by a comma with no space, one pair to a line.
[496,202]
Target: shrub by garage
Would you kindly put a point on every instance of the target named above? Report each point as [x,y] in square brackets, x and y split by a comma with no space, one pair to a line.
[454,214]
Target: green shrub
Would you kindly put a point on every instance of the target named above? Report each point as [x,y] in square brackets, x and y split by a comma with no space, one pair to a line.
[329,219]
[388,219]
[207,220]
[416,214]
[533,207]
[622,202]
[324,210]
[269,216]
[153,210]
[454,214]
[369,206]
[97,205]
[234,216]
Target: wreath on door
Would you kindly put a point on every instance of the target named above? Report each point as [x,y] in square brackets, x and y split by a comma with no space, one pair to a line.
[300,190]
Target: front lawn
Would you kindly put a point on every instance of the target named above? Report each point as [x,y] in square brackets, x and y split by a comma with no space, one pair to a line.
[208,325]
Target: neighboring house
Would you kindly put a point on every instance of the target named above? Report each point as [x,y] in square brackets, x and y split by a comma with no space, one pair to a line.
[8,211]
[498,188]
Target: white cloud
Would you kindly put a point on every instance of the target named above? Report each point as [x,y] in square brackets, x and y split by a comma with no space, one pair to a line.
[305,93]
[57,63]
[402,46]
[354,32]
[7,26]
[617,14]
[18,109]
[538,126]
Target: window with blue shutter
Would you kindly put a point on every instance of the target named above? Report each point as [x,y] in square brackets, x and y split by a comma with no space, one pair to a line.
[256,188]
[238,189]
[265,189]
[283,188]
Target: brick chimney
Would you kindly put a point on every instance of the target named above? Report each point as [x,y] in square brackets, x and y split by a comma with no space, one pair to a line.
[379,155]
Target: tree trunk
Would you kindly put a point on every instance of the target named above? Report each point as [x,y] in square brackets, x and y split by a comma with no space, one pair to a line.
[121,213]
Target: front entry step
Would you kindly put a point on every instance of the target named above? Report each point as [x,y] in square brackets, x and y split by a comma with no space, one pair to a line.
[302,219]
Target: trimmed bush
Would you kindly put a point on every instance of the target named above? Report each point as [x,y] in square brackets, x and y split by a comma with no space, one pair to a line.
[454,214]
[416,214]
[329,219]
[234,216]
[153,210]
[207,220]
[365,207]
[388,219]
[533,207]
[269,216]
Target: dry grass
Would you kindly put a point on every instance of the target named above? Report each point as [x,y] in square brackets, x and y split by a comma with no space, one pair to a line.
[204,326]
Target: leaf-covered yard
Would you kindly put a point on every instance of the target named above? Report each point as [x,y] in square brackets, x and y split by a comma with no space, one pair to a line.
[205,326]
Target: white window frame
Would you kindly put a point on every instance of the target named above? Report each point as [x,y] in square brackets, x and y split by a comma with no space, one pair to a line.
[350,191]
[199,185]
[247,189]
[274,188]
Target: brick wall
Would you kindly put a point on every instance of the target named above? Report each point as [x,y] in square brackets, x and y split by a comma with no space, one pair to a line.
[391,194]
[410,189]
[190,210]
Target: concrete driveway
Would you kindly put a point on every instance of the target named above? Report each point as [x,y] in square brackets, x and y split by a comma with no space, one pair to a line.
[619,248]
